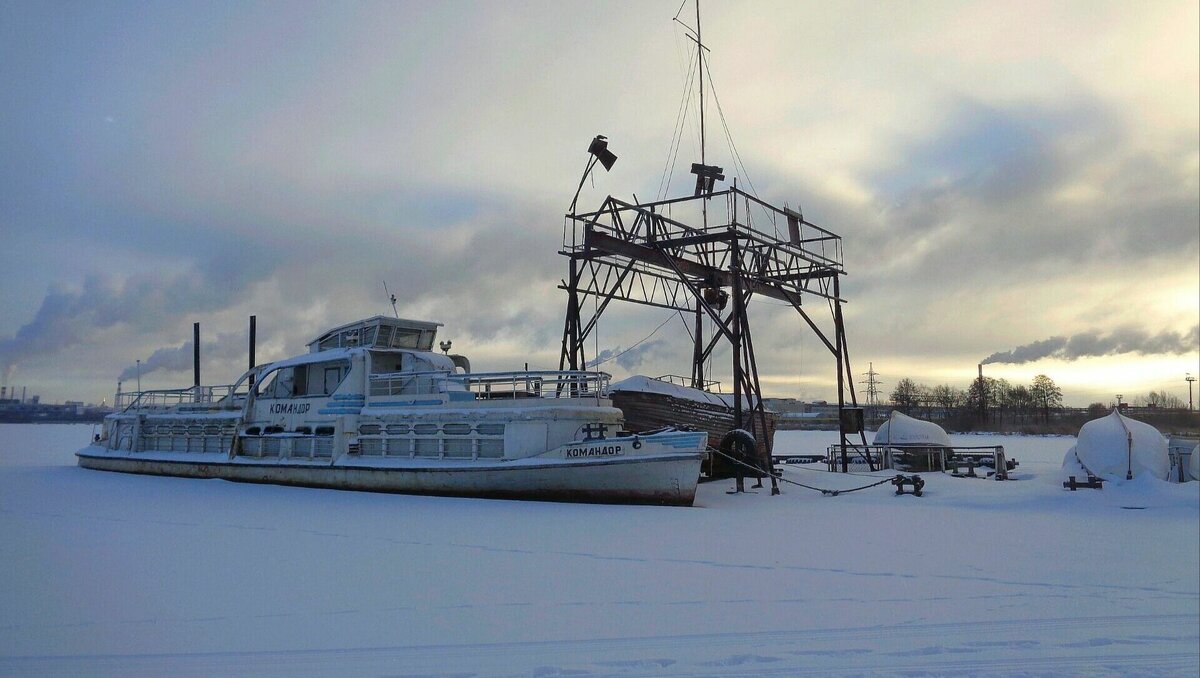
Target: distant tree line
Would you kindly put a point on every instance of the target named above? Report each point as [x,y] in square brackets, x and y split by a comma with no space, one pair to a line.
[991,398]
[1160,399]
[999,400]
[1154,400]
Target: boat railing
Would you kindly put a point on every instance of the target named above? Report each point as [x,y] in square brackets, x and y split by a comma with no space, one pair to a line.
[195,397]
[494,385]
[535,384]
[919,457]
[407,383]
[710,385]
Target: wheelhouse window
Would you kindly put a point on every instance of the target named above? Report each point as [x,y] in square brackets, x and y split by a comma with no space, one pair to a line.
[299,381]
[279,384]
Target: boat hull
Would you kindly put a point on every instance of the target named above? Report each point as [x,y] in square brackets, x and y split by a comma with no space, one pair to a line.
[648,411]
[664,480]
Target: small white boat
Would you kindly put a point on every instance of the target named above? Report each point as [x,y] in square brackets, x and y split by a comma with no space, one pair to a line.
[1116,447]
[372,407]
[912,444]
[901,430]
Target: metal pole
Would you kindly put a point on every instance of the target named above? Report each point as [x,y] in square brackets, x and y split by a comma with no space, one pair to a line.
[196,355]
[841,376]
[571,349]
[700,67]
[738,310]
[1129,456]
[698,350]
[253,338]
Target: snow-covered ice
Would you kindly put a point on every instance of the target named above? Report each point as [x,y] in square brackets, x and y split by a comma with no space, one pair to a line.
[114,574]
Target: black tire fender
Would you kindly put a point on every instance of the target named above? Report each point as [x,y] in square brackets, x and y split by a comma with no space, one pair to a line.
[740,445]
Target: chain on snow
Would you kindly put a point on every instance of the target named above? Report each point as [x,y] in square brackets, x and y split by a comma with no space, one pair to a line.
[823,491]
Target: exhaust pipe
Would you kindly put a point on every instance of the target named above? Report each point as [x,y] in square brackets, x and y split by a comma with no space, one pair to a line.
[253,331]
[196,354]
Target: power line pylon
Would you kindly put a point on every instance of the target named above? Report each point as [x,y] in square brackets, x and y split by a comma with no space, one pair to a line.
[872,385]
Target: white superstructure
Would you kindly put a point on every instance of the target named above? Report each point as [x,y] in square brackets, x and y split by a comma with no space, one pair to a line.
[371,406]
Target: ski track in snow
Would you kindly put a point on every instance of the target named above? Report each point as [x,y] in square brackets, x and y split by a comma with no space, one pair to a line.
[1163,646]
[485,548]
[623,591]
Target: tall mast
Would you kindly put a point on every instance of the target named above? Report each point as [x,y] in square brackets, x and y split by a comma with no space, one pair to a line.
[700,65]
[698,348]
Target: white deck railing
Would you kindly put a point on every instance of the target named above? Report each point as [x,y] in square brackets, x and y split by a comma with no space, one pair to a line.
[203,397]
[493,385]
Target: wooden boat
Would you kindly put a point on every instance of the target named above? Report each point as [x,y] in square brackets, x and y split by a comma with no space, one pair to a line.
[655,403]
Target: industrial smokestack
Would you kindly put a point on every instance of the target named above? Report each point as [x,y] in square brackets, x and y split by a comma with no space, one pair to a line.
[196,354]
[982,396]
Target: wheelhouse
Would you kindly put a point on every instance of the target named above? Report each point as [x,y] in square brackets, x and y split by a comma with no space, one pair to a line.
[379,332]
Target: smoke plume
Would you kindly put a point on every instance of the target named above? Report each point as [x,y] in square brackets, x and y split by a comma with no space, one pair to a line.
[179,358]
[68,318]
[1093,343]
[629,359]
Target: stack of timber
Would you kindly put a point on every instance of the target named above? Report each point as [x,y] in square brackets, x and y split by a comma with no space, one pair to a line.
[649,404]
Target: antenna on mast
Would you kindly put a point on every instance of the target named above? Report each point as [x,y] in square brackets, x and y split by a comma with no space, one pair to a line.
[694,36]
[391,297]
[706,175]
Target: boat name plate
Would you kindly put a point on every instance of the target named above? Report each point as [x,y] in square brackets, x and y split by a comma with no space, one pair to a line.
[290,408]
[595,451]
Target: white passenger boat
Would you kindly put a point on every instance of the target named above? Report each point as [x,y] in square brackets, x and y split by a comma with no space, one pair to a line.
[372,407]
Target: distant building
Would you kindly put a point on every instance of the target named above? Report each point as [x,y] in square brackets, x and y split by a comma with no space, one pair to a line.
[13,411]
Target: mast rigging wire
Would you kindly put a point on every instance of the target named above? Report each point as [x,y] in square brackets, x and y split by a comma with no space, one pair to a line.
[664,183]
[737,158]
[643,340]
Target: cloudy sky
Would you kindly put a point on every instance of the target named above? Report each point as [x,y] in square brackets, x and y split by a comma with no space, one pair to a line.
[1016,181]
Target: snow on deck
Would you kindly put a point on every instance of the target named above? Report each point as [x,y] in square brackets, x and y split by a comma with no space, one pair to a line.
[116,574]
[642,384]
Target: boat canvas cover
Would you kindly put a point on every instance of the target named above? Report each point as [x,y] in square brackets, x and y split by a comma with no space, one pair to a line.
[1110,446]
[901,429]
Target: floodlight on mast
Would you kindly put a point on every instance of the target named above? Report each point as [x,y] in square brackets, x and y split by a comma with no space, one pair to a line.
[598,150]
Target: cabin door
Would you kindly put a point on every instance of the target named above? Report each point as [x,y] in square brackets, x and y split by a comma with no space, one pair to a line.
[333,377]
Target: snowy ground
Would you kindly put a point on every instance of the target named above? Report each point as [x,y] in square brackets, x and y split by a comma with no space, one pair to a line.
[114,574]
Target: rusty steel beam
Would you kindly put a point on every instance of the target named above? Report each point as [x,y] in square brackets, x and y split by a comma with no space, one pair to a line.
[602,242]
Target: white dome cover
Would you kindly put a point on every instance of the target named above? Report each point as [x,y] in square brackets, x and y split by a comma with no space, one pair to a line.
[1194,463]
[901,429]
[1111,445]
